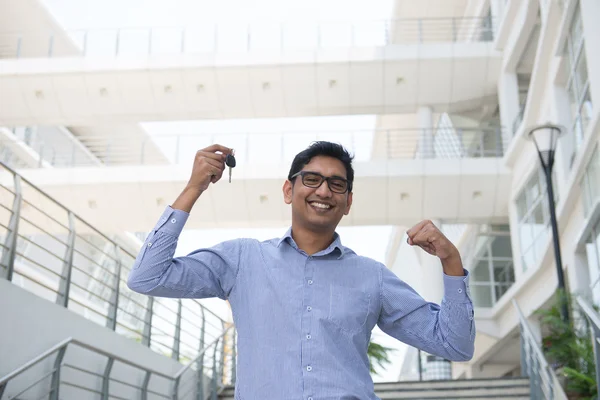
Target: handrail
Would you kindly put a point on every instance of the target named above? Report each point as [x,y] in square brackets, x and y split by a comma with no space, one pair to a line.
[543,381]
[397,143]
[251,35]
[594,319]
[62,346]
[104,280]
[201,354]
[35,360]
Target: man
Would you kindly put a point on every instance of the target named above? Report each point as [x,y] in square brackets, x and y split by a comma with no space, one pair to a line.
[304,305]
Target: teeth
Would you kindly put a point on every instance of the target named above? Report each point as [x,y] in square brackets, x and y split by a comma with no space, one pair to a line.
[321,205]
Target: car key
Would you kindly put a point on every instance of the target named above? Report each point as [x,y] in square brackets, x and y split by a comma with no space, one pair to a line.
[230,162]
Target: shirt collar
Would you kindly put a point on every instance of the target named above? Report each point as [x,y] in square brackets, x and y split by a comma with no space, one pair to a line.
[335,245]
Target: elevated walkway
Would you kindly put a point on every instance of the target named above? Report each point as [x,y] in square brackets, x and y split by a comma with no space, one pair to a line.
[449,77]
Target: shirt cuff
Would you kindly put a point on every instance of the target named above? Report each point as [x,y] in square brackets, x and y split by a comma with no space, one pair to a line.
[172,221]
[456,288]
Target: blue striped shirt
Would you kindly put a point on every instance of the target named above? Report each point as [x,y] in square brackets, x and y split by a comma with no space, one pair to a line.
[304,322]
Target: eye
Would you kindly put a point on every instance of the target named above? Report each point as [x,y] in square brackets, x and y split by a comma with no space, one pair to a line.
[338,185]
[312,179]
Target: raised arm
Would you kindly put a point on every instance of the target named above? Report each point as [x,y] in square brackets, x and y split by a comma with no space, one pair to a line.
[446,330]
[209,272]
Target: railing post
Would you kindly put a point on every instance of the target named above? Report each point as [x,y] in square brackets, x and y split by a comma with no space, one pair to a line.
[223,346]
[114,298]
[177,336]
[183,32]
[499,143]
[454,33]
[596,343]
[117,42]
[200,365]
[147,339]
[19,40]
[51,45]
[144,387]
[175,394]
[62,297]
[213,389]
[523,354]
[10,243]
[85,33]
[233,358]
[55,385]
[106,379]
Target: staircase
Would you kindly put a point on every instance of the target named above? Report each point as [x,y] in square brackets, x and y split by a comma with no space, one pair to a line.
[472,389]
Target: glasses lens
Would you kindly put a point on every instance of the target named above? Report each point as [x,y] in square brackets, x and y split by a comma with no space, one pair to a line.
[311,180]
[338,185]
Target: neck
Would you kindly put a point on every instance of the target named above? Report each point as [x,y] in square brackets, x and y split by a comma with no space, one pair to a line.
[310,241]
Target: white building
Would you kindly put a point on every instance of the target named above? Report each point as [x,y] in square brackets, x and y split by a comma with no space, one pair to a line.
[100,120]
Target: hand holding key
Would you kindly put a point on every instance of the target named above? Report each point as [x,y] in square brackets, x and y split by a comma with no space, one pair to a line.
[209,164]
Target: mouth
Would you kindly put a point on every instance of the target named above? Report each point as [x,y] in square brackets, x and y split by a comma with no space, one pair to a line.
[320,206]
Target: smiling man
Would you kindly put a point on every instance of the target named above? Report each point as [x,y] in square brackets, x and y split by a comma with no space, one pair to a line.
[304,305]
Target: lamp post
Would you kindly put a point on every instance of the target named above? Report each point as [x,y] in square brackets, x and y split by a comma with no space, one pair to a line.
[545,138]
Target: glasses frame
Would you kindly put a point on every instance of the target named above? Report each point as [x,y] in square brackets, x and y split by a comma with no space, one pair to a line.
[323,179]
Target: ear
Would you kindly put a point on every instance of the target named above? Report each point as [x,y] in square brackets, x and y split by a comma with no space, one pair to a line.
[347,210]
[287,192]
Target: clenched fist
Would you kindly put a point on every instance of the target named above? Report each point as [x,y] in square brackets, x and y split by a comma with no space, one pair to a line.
[428,237]
[209,164]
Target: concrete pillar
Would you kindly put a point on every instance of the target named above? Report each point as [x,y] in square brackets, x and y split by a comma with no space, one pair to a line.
[497,9]
[590,10]
[508,98]
[425,120]
[432,278]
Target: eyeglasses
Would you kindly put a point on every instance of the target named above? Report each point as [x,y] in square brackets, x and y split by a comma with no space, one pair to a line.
[315,180]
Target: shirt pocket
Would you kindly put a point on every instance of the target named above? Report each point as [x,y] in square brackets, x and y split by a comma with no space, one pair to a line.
[348,308]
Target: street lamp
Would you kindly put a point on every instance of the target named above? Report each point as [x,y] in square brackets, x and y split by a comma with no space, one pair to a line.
[545,138]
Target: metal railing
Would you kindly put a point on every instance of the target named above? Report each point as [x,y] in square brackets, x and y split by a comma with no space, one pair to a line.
[543,381]
[63,371]
[209,37]
[277,147]
[50,251]
[594,320]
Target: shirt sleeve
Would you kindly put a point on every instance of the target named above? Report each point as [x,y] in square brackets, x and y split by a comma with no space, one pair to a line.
[207,272]
[446,330]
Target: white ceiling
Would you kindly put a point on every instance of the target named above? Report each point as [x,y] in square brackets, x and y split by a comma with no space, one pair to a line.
[386,193]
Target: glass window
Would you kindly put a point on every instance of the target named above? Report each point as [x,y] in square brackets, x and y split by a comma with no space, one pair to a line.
[578,82]
[590,183]
[492,273]
[534,218]
[592,248]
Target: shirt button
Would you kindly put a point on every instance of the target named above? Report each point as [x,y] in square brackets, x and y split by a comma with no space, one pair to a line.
[459,290]
[309,308]
[309,368]
[310,337]
[173,220]
[310,398]
[310,282]
[149,244]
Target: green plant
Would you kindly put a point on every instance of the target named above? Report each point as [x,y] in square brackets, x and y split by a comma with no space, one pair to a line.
[379,355]
[568,346]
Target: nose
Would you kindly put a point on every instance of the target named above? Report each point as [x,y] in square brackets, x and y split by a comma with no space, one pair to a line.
[323,190]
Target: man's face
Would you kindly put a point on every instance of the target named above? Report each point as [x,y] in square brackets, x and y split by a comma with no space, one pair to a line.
[318,209]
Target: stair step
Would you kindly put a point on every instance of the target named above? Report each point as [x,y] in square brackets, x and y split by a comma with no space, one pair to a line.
[452,384]
[471,389]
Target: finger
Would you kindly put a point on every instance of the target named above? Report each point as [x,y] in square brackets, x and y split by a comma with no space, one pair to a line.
[213,156]
[217,147]
[216,177]
[413,231]
[218,165]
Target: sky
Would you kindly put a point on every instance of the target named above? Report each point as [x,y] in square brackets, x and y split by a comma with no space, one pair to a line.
[246,136]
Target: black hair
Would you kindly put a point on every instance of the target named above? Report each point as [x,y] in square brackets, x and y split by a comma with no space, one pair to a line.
[328,149]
